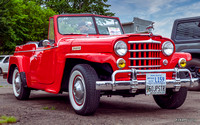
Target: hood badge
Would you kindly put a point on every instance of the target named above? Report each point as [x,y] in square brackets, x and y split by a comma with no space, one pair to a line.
[76,48]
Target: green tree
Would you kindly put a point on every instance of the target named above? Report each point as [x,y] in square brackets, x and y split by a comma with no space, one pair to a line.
[21,22]
[77,6]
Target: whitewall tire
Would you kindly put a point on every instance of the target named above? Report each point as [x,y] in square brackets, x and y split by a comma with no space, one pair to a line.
[83,95]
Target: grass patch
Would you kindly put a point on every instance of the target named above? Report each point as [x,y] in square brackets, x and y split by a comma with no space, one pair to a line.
[1,86]
[7,119]
[49,108]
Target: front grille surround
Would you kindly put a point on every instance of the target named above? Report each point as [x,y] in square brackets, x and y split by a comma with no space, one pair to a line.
[145,54]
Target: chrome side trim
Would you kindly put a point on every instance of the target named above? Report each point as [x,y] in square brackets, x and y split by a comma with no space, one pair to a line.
[143,58]
[144,41]
[41,49]
[147,66]
[35,50]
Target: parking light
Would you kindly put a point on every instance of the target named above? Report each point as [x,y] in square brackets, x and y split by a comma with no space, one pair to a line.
[121,63]
[182,62]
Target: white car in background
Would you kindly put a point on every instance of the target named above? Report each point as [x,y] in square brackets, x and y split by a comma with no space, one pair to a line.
[4,63]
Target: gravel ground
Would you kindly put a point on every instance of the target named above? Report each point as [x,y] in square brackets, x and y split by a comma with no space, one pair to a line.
[140,110]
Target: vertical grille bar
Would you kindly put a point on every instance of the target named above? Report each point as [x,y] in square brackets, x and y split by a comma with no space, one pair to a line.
[134,55]
[145,55]
[139,54]
[149,54]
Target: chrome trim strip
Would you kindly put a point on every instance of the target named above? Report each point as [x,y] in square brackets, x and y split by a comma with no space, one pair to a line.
[41,49]
[145,50]
[144,41]
[143,58]
[35,50]
[152,66]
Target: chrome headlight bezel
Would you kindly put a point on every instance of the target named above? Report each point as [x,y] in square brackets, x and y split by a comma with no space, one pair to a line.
[120,48]
[167,48]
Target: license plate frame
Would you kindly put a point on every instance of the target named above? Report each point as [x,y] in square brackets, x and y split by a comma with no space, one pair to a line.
[155,84]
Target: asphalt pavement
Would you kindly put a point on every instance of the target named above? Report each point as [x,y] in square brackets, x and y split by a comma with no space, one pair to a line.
[49,109]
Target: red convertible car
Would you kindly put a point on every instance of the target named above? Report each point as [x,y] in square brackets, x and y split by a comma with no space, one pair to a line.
[89,56]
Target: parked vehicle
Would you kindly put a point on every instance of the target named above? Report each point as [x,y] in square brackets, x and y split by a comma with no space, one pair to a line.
[186,35]
[4,63]
[89,56]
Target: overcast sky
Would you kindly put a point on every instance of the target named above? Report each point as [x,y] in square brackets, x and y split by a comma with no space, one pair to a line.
[162,12]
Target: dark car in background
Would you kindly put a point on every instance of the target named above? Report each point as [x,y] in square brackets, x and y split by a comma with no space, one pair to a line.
[186,35]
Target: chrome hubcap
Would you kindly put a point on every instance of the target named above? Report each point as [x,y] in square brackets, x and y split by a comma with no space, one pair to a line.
[78,90]
[17,82]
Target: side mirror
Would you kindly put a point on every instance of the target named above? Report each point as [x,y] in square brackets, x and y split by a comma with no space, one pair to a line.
[46,43]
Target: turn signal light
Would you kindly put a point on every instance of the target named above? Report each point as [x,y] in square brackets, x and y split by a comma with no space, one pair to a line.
[121,63]
[182,63]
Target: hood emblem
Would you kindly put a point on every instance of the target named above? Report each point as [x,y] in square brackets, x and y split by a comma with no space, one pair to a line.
[150,28]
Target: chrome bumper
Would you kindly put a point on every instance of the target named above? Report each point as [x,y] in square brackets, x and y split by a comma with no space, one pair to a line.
[134,84]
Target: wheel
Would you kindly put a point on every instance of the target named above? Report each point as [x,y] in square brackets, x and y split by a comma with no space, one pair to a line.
[193,66]
[20,92]
[171,100]
[83,95]
[1,71]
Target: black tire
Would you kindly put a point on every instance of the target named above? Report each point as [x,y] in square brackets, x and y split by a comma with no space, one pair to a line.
[20,92]
[193,65]
[1,72]
[171,100]
[83,95]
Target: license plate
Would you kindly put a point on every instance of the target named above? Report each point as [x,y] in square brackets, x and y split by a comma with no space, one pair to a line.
[155,83]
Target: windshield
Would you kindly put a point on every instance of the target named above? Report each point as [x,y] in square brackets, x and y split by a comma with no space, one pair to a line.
[76,25]
[86,25]
[108,26]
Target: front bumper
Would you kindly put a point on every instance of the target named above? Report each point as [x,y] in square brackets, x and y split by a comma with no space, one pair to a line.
[133,85]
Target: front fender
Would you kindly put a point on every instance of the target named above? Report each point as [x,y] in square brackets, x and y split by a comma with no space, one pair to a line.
[177,55]
[95,57]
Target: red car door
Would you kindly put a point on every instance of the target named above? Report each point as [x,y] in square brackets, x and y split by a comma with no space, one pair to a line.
[43,66]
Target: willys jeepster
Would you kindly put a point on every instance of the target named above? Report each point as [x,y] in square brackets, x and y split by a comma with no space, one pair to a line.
[89,56]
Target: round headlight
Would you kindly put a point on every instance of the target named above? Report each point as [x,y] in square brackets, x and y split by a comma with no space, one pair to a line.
[120,48]
[167,48]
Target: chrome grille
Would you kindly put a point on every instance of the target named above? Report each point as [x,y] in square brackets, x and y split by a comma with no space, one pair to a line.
[145,54]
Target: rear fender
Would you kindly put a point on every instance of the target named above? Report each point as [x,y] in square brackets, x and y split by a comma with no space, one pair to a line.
[21,62]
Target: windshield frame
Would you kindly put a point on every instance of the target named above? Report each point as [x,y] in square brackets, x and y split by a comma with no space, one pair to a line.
[94,23]
[94,26]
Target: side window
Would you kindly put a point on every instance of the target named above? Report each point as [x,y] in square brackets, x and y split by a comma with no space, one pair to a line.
[51,30]
[188,30]
[6,60]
